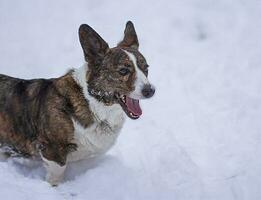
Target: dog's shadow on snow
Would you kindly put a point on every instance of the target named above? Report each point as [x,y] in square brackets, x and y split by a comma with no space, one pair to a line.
[35,169]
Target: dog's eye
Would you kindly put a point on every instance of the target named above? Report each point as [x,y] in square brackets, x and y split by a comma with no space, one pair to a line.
[124,71]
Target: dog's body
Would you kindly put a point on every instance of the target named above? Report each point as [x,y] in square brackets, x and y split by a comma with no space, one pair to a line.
[80,114]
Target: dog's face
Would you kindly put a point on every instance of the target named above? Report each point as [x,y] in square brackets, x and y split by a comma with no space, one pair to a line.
[116,75]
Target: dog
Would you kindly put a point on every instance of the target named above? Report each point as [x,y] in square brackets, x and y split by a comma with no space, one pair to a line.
[80,114]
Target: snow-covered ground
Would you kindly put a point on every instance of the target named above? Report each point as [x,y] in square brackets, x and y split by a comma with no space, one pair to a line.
[199,138]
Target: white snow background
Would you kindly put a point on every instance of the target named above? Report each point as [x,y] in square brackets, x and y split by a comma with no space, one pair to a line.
[199,137]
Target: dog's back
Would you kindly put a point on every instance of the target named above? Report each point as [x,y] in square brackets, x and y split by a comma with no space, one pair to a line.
[7,84]
[21,102]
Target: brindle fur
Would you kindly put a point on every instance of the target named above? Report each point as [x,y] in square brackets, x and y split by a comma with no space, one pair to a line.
[36,115]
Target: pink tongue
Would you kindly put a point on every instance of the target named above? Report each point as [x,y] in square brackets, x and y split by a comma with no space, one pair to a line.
[133,106]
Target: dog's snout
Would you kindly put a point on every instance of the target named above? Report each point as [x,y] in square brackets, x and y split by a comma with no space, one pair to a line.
[148,91]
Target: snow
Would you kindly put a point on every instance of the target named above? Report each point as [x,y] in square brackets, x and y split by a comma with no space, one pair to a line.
[199,137]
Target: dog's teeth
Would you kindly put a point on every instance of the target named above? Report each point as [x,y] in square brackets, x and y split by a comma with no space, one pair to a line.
[133,115]
[124,98]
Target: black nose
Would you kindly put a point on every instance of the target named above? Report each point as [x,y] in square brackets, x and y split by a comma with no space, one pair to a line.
[148,91]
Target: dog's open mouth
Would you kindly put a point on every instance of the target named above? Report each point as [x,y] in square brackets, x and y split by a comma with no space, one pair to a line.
[130,106]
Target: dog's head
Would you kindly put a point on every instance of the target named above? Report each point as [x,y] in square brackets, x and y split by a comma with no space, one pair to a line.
[119,74]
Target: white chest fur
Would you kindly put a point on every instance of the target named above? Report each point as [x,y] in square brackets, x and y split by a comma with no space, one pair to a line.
[103,133]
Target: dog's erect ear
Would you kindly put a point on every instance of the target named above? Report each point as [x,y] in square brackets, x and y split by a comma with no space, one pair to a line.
[130,37]
[94,47]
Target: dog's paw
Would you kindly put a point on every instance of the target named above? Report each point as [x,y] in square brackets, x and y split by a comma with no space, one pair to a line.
[54,181]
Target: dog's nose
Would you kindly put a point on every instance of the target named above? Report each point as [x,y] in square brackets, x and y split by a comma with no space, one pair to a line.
[148,91]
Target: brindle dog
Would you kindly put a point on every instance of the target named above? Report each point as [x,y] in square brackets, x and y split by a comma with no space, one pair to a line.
[80,114]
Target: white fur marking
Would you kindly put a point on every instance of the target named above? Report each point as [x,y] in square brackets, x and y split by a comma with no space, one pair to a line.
[141,79]
[102,134]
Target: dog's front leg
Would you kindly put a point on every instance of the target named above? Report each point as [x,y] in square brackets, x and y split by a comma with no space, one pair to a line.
[54,159]
[54,171]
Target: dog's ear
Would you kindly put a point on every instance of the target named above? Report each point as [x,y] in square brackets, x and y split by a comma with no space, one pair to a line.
[94,47]
[130,37]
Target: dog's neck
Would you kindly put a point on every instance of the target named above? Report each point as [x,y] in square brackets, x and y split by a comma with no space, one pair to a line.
[82,75]
[99,108]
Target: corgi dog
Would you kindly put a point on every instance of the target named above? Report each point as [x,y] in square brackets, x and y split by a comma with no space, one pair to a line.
[80,114]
